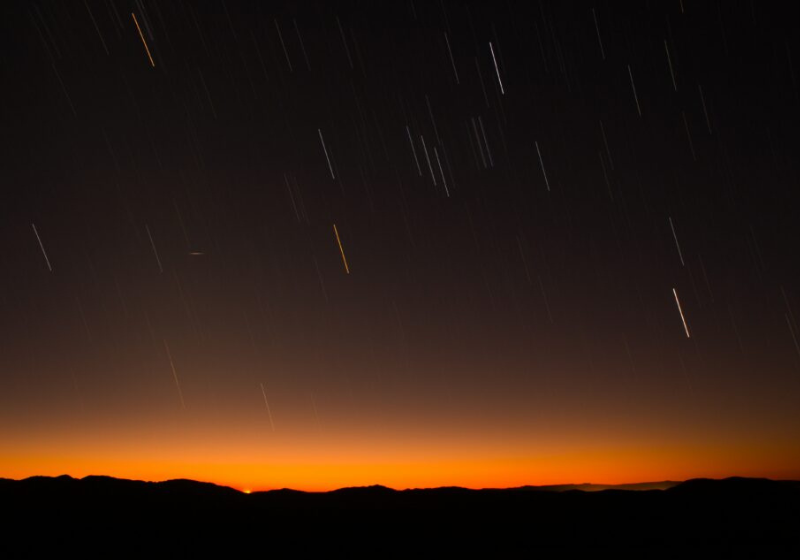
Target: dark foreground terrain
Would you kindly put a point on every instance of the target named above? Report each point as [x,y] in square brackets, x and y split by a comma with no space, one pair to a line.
[113,517]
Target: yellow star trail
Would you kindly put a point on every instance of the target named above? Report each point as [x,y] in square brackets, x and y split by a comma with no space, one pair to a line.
[341,249]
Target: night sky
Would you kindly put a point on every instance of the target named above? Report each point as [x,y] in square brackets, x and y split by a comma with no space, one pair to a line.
[326,244]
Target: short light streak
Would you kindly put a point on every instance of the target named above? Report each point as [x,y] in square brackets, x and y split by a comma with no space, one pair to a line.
[41,246]
[268,412]
[675,236]
[541,162]
[414,151]
[146,48]
[155,251]
[341,249]
[427,157]
[330,167]
[599,40]
[496,69]
[453,62]
[633,87]
[669,61]
[438,161]
[685,327]
[174,374]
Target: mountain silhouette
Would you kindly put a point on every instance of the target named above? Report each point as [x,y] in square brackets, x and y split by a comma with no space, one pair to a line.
[184,515]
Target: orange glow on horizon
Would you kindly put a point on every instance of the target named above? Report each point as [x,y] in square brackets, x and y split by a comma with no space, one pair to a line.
[617,466]
[292,442]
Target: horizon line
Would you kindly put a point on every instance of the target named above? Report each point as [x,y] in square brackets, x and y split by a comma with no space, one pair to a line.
[245,490]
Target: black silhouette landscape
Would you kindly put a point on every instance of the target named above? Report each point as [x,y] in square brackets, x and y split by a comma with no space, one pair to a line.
[76,512]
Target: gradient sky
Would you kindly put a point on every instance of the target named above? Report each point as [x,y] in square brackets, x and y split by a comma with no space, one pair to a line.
[520,189]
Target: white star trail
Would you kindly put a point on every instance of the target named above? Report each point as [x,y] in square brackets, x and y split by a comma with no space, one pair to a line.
[326,154]
[496,69]
[266,403]
[41,246]
[685,326]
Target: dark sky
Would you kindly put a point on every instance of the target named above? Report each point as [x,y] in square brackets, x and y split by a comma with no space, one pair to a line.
[524,192]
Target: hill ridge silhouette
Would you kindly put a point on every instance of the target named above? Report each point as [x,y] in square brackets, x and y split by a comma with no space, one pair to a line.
[145,514]
[581,487]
